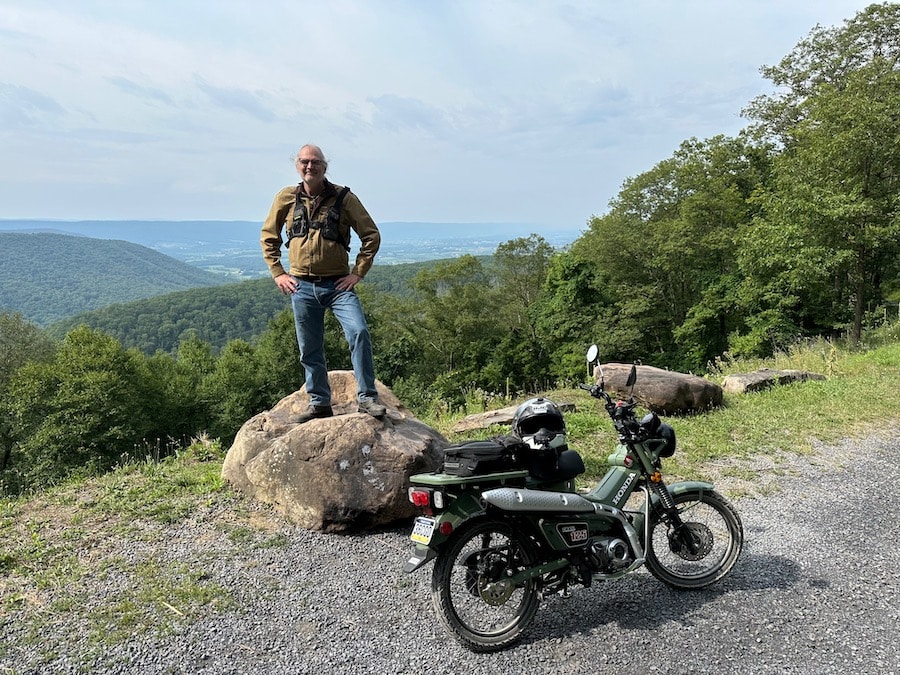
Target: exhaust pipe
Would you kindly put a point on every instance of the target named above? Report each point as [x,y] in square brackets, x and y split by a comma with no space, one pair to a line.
[516,499]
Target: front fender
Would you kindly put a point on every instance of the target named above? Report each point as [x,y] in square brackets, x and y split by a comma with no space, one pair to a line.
[688,485]
[683,486]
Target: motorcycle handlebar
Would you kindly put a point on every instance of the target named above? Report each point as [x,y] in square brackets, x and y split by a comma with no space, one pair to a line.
[596,391]
[621,412]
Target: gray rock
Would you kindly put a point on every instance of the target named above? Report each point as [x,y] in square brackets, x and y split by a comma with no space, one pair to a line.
[764,378]
[500,416]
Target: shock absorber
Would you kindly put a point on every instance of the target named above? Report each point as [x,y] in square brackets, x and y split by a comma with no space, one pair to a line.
[662,491]
[680,536]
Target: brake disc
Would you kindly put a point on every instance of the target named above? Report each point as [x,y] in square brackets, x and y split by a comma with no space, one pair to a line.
[693,541]
[496,593]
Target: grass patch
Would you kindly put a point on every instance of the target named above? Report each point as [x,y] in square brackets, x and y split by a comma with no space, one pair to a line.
[164,491]
[860,394]
[160,597]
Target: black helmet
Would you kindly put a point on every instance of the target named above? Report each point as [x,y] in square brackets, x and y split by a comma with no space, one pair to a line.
[536,414]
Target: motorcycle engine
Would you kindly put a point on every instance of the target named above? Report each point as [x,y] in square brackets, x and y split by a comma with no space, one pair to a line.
[608,554]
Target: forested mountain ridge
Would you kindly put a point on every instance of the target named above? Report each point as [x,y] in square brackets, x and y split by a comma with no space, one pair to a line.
[236,311]
[46,277]
[216,315]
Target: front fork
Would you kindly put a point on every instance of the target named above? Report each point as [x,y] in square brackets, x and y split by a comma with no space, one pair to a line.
[665,502]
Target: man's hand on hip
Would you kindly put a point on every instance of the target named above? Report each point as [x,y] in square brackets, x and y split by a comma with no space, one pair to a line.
[286,283]
[348,282]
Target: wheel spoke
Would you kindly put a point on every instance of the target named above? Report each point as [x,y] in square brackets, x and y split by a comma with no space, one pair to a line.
[703,548]
[473,592]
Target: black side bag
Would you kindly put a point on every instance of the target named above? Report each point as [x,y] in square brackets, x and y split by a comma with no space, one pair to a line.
[478,458]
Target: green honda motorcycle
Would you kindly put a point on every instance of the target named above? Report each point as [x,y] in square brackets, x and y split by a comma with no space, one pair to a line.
[505,525]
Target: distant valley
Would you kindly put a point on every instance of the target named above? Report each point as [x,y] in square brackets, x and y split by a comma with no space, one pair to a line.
[216,315]
[131,277]
[231,248]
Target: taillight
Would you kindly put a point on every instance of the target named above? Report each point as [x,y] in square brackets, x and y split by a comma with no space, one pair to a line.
[420,497]
[426,498]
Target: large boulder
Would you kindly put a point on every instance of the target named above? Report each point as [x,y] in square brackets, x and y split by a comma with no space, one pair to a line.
[347,472]
[663,391]
[764,378]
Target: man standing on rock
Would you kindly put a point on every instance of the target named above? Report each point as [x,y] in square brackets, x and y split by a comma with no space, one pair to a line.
[317,217]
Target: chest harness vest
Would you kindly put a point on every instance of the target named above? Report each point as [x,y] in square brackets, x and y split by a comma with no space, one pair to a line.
[331,230]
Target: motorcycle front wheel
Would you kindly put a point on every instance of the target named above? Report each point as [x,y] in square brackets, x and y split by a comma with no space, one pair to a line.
[472,591]
[703,549]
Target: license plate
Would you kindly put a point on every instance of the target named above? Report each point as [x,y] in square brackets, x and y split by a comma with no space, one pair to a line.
[422,530]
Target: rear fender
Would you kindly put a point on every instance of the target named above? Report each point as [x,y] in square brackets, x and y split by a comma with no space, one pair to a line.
[462,508]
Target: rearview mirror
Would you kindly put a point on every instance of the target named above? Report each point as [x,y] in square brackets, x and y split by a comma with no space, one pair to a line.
[592,353]
[632,376]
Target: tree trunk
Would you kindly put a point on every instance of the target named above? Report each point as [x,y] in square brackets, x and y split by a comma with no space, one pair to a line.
[860,304]
[4,459]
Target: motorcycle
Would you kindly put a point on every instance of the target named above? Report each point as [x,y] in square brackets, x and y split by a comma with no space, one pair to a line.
[506,527]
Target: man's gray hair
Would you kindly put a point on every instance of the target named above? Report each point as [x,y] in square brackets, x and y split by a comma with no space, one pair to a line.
[313,146]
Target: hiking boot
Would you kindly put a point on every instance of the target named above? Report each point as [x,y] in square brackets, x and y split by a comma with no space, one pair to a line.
[313,412]
[373,408]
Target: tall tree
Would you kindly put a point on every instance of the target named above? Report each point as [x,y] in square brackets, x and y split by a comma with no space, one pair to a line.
[826,57]
[521,267]
[452,325]
[568,311]
[832,219]
[279,358]
[665,254]
[234,389]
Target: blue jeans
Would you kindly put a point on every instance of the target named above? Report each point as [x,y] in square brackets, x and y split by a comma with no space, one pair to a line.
[310,302]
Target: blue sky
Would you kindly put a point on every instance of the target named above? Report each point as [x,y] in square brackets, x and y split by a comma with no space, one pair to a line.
[465,111]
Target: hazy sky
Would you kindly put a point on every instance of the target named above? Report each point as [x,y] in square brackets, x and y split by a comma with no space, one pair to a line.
[448,111]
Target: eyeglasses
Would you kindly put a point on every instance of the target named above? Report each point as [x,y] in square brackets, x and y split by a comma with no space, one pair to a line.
[314,162]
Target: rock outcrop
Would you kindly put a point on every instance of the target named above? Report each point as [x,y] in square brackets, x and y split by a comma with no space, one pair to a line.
[344,473]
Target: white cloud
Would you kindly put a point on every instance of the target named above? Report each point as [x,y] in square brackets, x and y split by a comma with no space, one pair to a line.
[469,110]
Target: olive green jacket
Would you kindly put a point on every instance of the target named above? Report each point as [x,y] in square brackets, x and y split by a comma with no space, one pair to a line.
[312,254]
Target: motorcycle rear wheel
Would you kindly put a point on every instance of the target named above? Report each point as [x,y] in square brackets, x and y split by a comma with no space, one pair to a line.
[703,552]
[470,588]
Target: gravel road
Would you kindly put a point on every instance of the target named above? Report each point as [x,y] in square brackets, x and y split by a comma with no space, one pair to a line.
[816,590]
